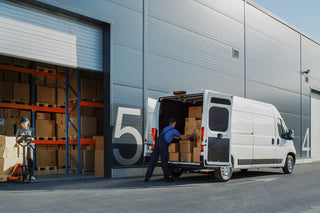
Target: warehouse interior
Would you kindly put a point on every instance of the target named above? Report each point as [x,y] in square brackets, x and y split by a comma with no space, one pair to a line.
[38,91]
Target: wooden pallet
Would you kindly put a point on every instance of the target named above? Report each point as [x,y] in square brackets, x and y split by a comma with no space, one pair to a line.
[82,137]
[73,100]
[46,138]
[46,69]
[45,105]
[47,168]
[61,106]
[15,102]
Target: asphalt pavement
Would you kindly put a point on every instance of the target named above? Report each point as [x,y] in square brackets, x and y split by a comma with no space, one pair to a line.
[264,190]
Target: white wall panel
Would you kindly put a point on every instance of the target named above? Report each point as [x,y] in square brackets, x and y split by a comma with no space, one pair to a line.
[188,14]
[34,34]
[176,43]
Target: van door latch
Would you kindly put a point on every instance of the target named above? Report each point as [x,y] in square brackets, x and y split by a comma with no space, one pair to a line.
[219,136]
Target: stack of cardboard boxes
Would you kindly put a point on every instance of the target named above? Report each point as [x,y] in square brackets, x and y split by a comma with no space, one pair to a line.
[186,150]
[45,127]
[99,156]
[10,155]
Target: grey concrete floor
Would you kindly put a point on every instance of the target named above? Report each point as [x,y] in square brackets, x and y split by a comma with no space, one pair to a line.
[265,190]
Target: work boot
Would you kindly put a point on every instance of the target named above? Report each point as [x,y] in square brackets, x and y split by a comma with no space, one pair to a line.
[146,179]
[33,178]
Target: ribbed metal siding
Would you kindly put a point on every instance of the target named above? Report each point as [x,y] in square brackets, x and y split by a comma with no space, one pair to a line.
[35,34]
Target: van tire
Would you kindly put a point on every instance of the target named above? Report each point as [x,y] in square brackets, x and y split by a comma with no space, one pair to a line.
[223,174]
[289,165]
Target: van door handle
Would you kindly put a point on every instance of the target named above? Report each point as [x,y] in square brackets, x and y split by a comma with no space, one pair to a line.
[278,141]
[272,141]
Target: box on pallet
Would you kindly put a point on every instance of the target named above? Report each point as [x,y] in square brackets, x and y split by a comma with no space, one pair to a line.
[186,156]
[8,128]
[60,118]
[51,81]
[6,91]
[61,97]
[88,89]
[45,128]
[61,158]
[43,116]
[99,162]
[174,156]
[87,159]
[21,92]
[186,146]
[11,76]
[174,147]
[46,158]
[61,131]
[88,126]
[40,80]
[46,95]
[99,142]
[9,148]
[24,78]
[11,113]
[1,112]
[195,112]
[196,154]
[26,114]
[61,83]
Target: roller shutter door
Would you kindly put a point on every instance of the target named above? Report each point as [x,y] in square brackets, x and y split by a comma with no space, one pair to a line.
[32,33]
[315,126]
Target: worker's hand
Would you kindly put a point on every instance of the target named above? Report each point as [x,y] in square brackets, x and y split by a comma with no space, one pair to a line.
[22,134]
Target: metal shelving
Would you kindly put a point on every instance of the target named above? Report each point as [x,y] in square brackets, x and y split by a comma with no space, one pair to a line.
[78,104]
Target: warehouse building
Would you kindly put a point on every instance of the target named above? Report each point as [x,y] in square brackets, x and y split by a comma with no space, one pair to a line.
[145,48]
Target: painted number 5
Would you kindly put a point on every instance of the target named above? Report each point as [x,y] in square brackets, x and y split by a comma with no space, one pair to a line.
[127,130]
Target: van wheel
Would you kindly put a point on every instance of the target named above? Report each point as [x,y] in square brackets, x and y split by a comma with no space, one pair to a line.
[289,165]
[243,170]
[223,174]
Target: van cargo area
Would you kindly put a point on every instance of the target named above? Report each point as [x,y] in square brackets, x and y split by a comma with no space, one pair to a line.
[187,110]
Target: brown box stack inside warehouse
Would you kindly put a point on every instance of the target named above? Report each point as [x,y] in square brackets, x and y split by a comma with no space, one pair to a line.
[15,88]
[186,150]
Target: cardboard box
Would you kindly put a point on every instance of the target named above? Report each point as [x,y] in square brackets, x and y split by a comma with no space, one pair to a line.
[11,113]
[174,156]
[88,126]
[1,112]
[88,88]
[99,162]
[46,158]
[25,113]
[9,148]
[40,80]
[61,158]
[46,95]
[174,147]
[45,128]
[193,122]
[60,118]
[7,141]
[186,146]
[87,159]
[195,112]
[61,131]
[43,116]
[8,128]
[21,92]
[51,81]
[61,83]
[6,90]
[24,78]
[99,143]
[185,157]
[196,154]
[7,164]
[61,97]
[11,76]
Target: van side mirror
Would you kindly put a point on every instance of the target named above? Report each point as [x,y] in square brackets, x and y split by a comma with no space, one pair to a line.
[289,135]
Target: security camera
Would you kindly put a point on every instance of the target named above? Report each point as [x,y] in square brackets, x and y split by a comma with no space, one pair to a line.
[306,72]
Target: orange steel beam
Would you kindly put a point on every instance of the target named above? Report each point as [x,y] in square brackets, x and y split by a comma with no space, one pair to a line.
[16,106]
[49,109]
[63,142]
[31,71]
[90,104]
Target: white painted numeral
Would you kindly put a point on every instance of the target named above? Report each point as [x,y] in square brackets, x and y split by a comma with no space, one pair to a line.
[119,131]
[306,140]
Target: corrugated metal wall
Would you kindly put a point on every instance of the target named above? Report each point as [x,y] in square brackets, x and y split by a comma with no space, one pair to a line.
[161,46]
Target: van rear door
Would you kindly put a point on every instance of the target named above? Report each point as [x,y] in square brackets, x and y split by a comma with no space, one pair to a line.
[218,129]
[151,128]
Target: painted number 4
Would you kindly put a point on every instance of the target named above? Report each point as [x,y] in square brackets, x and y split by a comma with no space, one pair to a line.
[306,141]
[119,131]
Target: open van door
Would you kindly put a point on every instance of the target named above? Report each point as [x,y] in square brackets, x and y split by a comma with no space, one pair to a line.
[218,109]
[151,131]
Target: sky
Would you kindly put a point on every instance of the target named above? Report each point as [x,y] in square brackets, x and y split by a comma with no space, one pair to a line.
[302,14]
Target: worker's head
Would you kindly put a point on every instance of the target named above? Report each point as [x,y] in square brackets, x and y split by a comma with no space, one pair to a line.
[25,122]
[172,122]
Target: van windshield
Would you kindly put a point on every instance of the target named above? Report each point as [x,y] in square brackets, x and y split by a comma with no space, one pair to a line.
[218,119]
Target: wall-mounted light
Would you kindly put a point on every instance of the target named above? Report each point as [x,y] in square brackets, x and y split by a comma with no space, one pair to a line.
[306,72]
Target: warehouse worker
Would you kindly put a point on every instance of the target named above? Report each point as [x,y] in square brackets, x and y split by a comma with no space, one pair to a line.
[161,148]
[26,130]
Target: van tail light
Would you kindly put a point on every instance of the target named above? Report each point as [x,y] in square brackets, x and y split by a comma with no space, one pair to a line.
[202,133]
[154,137]
[202,148]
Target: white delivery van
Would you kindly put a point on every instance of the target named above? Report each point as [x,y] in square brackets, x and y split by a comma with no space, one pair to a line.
[236,133]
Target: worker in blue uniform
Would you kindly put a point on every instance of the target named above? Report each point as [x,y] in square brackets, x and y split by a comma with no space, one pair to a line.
[161,148]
